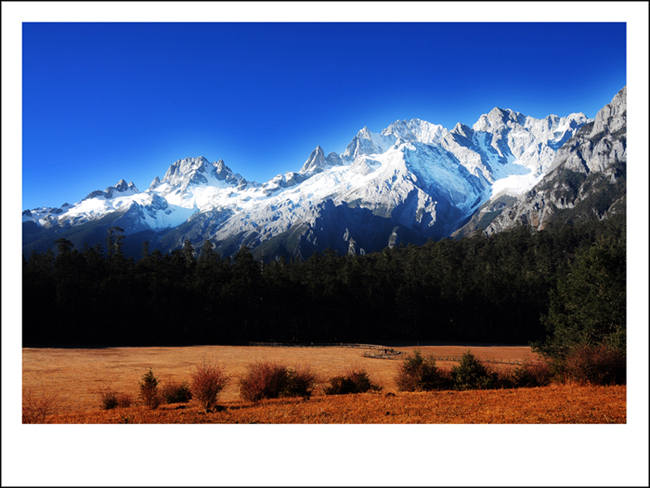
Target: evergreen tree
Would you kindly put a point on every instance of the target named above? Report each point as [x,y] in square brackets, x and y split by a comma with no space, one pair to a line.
[588,307]
[189,254]
[115,242]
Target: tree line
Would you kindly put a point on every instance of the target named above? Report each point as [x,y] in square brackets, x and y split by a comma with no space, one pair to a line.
[517,286]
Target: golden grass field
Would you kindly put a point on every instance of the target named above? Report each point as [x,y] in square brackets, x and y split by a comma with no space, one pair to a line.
[75,377]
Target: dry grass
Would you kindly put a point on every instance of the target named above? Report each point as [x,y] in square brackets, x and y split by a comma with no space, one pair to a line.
[560,404]
[79,374]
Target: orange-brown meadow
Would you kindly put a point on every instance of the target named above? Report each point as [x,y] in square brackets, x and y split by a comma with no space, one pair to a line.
[77,377]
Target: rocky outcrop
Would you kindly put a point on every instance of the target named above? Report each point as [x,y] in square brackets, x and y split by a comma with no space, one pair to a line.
[586,180]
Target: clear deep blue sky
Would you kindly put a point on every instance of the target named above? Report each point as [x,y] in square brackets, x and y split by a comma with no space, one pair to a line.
[104,101]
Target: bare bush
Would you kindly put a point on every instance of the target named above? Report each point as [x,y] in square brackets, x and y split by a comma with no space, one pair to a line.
[531,374]
[174,392]
[110,399]
[36,409]
[272,380]
[207,382]
[599,365]
[302,382]
[355,380]
[124,400]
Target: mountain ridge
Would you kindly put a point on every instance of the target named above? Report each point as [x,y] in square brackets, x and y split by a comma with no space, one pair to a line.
[411,182]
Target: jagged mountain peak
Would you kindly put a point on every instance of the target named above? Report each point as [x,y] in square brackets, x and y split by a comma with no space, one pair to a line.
[185,166]
[462,130]
[415,130]
[121,188]
[315,162]
[365,143]
[597,147]
[221,166]
[364,133]
[190,171]
[499,119]
[500,113]
[154,183]
[612,116]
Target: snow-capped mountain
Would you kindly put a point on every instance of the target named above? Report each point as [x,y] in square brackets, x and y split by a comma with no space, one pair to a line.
[412,181]
[586,180]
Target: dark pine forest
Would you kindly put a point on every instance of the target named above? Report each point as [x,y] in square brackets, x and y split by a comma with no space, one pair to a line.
[498,289]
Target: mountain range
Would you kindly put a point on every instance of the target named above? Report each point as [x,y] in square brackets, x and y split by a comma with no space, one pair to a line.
[411,182]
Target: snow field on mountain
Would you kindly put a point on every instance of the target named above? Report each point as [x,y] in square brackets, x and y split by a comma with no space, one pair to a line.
[173,216]
[514,185]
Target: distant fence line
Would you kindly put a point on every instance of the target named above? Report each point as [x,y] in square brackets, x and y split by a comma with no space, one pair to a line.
[385,353]
[375,351]
[317,344]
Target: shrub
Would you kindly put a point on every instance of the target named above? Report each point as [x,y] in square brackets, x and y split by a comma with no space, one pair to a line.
[108,399]
[207,382]
[502,378]
[301,383]
[418,373]
[272,380]
[600,365]
[174,392]
[263,380]
[531,374]
[353,381]
[124,400]
[472,374]
[111,399]
[36,410]
[149,390]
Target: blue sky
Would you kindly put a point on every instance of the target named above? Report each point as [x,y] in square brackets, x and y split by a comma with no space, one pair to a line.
[104,101]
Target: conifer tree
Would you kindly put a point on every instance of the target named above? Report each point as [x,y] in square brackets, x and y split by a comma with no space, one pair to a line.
[588,307]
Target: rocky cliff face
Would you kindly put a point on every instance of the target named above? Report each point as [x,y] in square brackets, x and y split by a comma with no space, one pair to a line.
[586,180]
